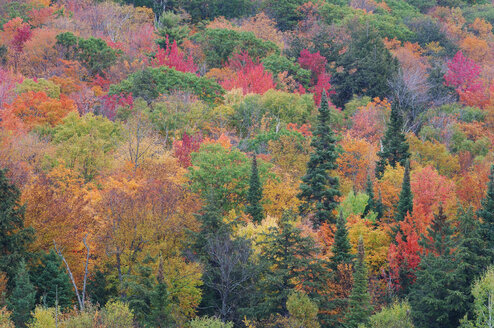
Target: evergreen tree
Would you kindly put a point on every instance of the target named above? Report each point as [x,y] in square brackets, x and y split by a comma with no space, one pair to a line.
[341,265]
[341,247]
[371,203]
[473,257]
[486,212]
[319,188]
[379,206]
[51,280]
[368,67]
[14,238]
[160,307]
[435,297]
[405,204]
[98,288]
[360,308]
[394,146]
[290,261]
[21,301]
[254,197]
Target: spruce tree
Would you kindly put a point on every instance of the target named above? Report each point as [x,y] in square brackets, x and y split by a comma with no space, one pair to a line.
[288,258]
[341,247]
[360,308]
[394,146]
[52,281]
[14,237]
[435,297]
[160,307]
[21,301]
[405,204]
[371,203]
[473,257]
[319,187]
[254,197]
[486,212]
[341,265]
[379,206]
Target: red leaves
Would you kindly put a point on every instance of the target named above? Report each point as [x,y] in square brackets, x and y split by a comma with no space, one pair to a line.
[313,62]
[322,85]
[404,254]
[174,58]
[463,74]
[186,146]
[22,35]
[251,76]
[316,63]
[111,103]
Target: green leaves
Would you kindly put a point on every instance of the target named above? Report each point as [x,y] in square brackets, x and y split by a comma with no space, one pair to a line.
[84,143]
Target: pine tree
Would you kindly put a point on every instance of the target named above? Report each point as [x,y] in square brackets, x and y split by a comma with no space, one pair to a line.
[379,206]
[14,238]
[289,258]
[371,203]
[435,297]
[160,307]
[341,247]
[360,308]
[51,281]
[486,212]
[254,197]
[394,147]
[98,288]
[21,301]
[319,188]
[405,204]
[341,265]
[473,257]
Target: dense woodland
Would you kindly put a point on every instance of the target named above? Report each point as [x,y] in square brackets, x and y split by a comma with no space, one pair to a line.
[247,163]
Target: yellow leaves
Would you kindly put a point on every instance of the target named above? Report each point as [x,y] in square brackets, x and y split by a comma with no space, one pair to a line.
[183,281]
[376,242]
[475,48]
[256,232]
[279,196]
[355,162]
[390,187]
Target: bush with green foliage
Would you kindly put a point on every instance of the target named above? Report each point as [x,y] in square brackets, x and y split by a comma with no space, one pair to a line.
[396,315]
[209,322]
[151,82]
[219,44]
[92,53]
[51,89]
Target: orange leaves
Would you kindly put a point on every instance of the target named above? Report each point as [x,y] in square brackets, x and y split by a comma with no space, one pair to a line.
[430,190]
[475,48]
[355,162]
[369,122]
[58,208]
[36,108]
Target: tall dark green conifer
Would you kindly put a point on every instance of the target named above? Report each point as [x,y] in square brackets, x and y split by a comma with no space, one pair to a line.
[379,206]
[341,247]
[486,212]
[21,301]
[435,297]
[360,308]
[319,187]
[52,281]
[14,238]
[160,307]
[394,146]
[405,204]
[254,197]
[371,203]
[289,258]
[473,257]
